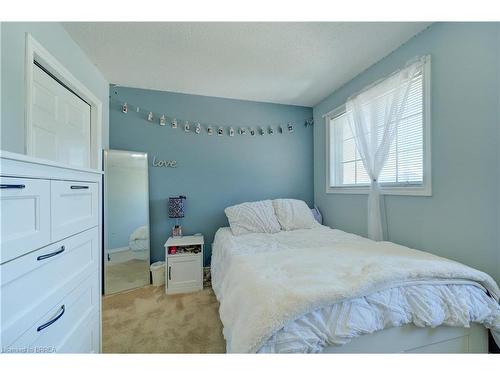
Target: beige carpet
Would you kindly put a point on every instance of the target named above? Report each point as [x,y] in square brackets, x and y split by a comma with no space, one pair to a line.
[126,275]
[146,320]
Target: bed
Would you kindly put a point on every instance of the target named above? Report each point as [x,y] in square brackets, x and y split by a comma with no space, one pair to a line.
[324,290]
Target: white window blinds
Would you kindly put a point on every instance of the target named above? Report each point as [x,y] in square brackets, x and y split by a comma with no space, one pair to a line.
[405,165]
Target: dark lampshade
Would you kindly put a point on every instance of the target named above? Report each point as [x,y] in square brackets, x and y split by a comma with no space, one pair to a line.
[176,207]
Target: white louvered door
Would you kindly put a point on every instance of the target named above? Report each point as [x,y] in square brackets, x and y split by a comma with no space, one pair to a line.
[60,122]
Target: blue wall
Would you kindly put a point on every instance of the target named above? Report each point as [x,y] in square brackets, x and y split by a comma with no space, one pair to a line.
[461,220]
[213,172]
[57,41]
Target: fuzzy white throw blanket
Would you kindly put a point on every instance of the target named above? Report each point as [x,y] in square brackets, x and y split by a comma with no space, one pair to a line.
[260,291]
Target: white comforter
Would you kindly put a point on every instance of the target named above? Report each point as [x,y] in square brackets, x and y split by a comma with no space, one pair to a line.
[299,291]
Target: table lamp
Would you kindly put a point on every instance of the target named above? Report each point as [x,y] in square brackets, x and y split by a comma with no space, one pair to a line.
[176,211]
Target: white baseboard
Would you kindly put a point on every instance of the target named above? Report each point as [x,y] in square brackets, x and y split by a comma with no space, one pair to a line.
[118,249]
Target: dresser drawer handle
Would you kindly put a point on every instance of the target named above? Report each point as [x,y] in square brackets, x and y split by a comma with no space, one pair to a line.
[50,255]
[77,187]
[52,321]
[10,186]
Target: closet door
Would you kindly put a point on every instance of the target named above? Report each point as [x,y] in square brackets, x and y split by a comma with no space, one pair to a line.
[60,122]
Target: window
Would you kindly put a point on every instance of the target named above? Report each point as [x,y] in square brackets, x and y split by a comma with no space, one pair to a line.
[407,170]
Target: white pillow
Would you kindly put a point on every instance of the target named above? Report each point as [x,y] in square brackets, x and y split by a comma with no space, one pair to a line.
[293,214]
[252,217]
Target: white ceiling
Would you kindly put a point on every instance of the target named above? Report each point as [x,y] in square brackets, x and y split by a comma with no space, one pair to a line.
[291,63]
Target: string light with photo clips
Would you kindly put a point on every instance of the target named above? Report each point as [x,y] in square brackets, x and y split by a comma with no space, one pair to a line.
[196,127]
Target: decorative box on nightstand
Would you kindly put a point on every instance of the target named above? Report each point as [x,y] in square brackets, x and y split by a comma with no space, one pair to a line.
[184,268]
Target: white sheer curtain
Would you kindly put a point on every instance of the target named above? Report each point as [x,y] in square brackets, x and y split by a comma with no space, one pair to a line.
[374,115]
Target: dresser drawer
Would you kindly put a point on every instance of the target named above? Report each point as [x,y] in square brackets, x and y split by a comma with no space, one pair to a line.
[32,284]
[70,325]
[84,337]
[25,216]
[74,207]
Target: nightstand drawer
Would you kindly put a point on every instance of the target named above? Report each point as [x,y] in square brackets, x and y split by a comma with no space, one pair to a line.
[184,273]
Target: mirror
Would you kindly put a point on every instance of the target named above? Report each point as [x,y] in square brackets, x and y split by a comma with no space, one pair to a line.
[126,220]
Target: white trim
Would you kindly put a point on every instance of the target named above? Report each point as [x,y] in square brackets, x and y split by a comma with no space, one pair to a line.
[427,128]
[413,190]
[327,154]
[35,51]
[335,112]
[118,250]
[34,160]
[424,189]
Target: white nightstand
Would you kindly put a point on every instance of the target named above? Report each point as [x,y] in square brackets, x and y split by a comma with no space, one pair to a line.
[184,270]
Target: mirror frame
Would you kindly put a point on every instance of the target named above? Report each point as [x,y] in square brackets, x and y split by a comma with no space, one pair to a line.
[104,216]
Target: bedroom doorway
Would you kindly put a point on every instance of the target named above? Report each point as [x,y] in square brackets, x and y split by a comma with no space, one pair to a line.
[126,221]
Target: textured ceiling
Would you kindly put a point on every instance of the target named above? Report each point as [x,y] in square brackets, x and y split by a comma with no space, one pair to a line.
[290,63]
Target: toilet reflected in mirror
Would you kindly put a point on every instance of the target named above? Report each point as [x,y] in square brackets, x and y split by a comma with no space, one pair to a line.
[126,220]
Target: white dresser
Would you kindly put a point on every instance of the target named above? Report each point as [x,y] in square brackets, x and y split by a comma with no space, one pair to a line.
[50,264]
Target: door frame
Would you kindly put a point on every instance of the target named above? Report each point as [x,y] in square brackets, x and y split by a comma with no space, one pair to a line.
[35,51]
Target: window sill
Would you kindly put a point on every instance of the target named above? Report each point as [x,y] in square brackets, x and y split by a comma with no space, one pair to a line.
[420,190]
